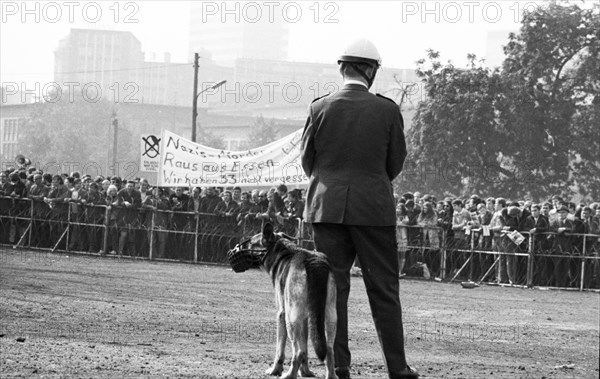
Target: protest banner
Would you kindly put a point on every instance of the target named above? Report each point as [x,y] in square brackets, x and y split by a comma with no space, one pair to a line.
[184,163]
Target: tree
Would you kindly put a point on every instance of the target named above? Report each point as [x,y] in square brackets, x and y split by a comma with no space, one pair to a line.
[453,140]
[206,138]
[72,134]
[528,129]
[550,75]
[262,133]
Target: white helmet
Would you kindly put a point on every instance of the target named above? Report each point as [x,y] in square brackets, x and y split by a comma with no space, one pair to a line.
[361,51]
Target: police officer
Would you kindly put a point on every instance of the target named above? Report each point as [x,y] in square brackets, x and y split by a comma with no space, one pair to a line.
[352,148]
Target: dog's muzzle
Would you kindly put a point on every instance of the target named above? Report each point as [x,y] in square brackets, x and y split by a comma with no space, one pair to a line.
[242,258]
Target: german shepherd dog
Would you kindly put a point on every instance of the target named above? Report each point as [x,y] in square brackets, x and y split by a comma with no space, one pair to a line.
[305,295]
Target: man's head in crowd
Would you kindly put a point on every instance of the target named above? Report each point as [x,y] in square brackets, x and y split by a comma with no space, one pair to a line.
[458,205]
[77,184]
[38,179]
[47,179]
[546,209]
[245,197]
[293,197]
[237,194]
[130,186]
[3,177]
[211,191]
[255,196]
[178,191]
[144,185]
[196,192]
[500,204]
[262,195]
[490,204]
[93,188]
[536,210]
[112,191]
[586,212]
[408,196]
[481,209]
[115,181]
[282,190]
[556,200]
[14,177]
[227,196]
[563,212]
[105,185]
[57,180]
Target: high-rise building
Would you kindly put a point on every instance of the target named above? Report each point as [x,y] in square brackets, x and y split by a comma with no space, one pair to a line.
[113,63]
[91,58]
[228,35]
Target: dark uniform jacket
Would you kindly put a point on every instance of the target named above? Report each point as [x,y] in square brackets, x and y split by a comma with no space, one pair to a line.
[352,148]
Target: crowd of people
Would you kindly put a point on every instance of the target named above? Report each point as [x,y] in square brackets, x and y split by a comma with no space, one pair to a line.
[133,204]
[551,228]
[554,227]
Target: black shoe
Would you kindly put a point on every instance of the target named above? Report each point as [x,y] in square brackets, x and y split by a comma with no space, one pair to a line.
[342,372]
[407,373]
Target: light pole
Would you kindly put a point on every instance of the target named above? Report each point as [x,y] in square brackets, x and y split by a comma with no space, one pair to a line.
[195,106]
[196,94]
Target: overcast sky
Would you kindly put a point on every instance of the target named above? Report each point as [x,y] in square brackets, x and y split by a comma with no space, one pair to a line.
[402,30]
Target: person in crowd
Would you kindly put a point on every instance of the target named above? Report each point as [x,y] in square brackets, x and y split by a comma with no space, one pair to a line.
[17,190]
[4,183]
[59,214]
[401,234]
[293,215]
[237,194]
[460,222]
[105,185]
[159,204]
[78,236]
[482,221]
[537,224]
[413,232]
[41,212]
[195,200]
[246,205]
[515,219]
[210,201]
[428,221]
[228,207]
[129,201]
[112,203]
[562,245]
[179,203]
[93,201]
[278,195]
[496,226]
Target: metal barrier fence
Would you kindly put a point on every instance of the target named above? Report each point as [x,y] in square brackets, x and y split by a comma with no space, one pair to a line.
[557,260]
[542,260]
[144,233]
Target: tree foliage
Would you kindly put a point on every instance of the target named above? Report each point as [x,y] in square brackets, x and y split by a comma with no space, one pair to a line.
[262,133]
[73,133]
[526,129]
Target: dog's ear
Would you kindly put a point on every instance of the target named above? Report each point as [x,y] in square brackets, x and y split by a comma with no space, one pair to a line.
[268,232]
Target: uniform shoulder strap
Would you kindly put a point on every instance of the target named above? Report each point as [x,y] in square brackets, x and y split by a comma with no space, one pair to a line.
[320,97]
[387,98]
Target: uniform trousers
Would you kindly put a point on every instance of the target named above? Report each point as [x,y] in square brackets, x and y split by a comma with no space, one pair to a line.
[376,250]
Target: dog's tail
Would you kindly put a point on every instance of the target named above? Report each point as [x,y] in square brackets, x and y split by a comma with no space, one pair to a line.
[317,276]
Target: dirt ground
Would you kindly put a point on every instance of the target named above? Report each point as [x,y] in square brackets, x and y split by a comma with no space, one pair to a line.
[84,316]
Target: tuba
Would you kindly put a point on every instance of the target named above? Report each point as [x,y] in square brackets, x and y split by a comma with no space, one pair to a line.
[21,161]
